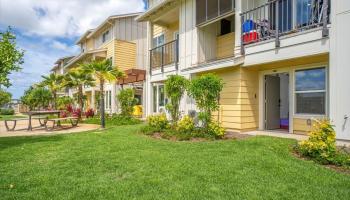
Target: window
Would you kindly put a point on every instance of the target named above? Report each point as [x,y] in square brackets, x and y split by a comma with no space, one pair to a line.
[158,41]
[108,100]
[105,36]
[310,91]
[207,10]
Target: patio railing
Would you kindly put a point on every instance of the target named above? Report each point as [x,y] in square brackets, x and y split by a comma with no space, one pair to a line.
[165,54]
[281,17]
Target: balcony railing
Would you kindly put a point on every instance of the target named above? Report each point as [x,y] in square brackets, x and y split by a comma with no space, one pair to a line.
[281,17]
[166,54]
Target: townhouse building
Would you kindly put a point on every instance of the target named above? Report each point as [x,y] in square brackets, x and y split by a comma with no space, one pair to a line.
[122,40]
[284,63]
[59,69]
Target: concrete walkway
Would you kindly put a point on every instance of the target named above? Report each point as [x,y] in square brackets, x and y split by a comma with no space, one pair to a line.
[21,129]
[290,136]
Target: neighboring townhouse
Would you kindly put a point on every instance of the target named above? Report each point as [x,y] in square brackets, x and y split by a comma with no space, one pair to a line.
[59,69]
[122,40]
[284,62]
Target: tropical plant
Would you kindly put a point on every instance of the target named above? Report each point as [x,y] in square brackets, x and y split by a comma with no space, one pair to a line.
[104,72]
[127,101]
[77,78]
[11,57]
[37,98]
[175,87]
[205,90]
[63,102]
[54,83]
[5,97]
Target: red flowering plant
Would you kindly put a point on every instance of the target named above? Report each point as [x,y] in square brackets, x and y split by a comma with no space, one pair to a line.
[90,113]
[76,112]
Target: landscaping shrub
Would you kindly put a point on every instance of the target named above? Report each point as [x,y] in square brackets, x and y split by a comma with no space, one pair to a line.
[205,90]
[321,145]
[63,102]
[158,122]
[215,130]
[175,87]
[9,111]
[76,112]
[90,113]
[127,101]
[185,125]
[114,120]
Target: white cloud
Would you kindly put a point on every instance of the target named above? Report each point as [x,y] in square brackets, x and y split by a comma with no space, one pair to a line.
[62,18]
[48,27]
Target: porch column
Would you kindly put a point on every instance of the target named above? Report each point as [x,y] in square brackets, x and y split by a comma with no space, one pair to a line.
[93,99]
[114,98]
[238,27]
[148,84]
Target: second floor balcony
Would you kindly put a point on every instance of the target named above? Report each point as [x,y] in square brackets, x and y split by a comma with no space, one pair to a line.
[277,18]
[164,55]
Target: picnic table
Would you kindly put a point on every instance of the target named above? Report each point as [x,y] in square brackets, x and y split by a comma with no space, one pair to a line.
[46,112]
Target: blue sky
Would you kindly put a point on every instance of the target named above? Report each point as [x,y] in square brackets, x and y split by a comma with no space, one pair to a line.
[47,30]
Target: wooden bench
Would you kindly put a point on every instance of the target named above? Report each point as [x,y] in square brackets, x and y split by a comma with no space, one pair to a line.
[73,120]
[42,123]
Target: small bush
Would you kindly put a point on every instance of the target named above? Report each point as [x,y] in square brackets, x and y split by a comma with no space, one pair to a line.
[185,125]
[215,130]
[127,101]
[90,113]
[321,145]
[76,112]
[114,120]
[9,111]
[158,122]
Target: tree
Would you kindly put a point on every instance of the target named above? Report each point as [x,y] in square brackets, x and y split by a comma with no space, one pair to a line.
[37,98]
[205,90]
[77,79]
[10,56]
[5,97]
[127,101]
[175,87]
[54,83]
[104,72]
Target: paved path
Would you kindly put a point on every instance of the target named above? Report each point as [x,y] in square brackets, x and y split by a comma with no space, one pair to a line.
[21,129]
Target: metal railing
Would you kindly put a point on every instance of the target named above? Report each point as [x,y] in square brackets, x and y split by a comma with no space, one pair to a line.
[164,55]
[281,17]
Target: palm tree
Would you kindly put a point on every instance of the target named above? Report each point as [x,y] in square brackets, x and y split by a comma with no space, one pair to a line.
[54,84]
[76,78]
[103,71]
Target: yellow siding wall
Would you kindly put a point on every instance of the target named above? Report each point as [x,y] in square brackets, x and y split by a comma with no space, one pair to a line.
[167,31]
[125,55]
[90,44]
[238,100]
[225,45]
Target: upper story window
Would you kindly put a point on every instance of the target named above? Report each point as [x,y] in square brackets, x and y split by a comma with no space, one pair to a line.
[105,36]
[310,91]
[159,40]
[207,10]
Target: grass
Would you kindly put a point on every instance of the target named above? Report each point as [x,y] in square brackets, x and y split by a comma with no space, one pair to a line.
[119,164]
[5,117]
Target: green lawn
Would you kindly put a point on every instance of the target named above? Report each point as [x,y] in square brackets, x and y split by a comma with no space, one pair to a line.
[4,117]
[121,164]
